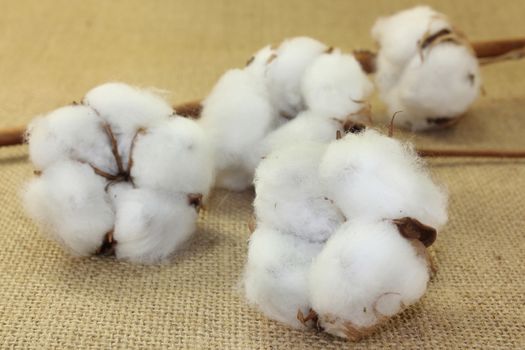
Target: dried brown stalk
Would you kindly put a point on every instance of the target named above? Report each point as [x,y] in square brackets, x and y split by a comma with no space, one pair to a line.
[12,136]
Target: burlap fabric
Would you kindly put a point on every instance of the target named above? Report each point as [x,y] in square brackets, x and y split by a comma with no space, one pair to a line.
[53,51]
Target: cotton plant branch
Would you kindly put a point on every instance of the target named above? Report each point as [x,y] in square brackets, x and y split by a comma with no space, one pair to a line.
[487,52]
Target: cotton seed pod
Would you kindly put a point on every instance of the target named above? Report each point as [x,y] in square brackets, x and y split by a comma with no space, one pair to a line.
[139,204]
[425,68]
[284,73]
[366,273]
[335,85]
[238,101]
[276,274]
[371,176]
[289,196]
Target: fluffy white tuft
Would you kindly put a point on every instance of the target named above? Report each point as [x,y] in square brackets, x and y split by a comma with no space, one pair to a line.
[127,109]
[366,271]
[285,72]
[69,202]
[150,225]
[372,176]
[290,197]
[276,274]
[71,132]
[335,85]
[173,156]
[236,116]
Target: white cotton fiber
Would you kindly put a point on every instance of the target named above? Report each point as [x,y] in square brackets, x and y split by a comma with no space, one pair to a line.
[276,274]
[307,126]
[69,202]
[173,156]
[289,195]
[150,225]
[439,88]
[127,109]
[236,116]
[284,73]
[366,273]
[71,132]
[335,85]
[372,176]
[398,35]
[425,69]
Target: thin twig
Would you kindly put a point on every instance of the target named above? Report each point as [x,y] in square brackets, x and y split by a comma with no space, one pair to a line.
[471,153]
[12,136]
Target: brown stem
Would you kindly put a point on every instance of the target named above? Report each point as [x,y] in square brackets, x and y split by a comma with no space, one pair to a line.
[472,153]
[492,51]
[12,136]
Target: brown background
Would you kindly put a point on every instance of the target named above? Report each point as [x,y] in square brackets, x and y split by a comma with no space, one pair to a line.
[51,52]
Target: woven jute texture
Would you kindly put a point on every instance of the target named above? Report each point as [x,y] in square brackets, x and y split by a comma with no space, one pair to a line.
[51,52]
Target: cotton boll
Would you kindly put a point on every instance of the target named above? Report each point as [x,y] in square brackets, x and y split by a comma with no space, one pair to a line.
[437,89]
[290,197]
[398,35]
[366,273]
[127,109]
[284,73]
[174,156]
[335,84]
[276,274]
[372,176]
[236,116]
[150,225]
[69,202]
[72,132]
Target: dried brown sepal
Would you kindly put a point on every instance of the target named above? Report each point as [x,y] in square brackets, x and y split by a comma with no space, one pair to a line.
[108,245]
[442,122]
[250,61]
[329,50]
[367,60]
[191,109]
[311,320]
[352,127]
[195,200]
[286,115]
[338,135]
[37,172]
[271,58]
[411,228]
[346,329]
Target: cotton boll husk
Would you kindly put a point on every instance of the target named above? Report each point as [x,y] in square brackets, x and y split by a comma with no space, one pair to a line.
[69,203]
[367,272]
[442,85]
[307,126]
[289,194]
[284,73]
[258,62]
[71,132]
[175,156]
[127,109]
[150,225]
[398,35]
[375,177]
[276,274]
[335,84]
[236,116]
